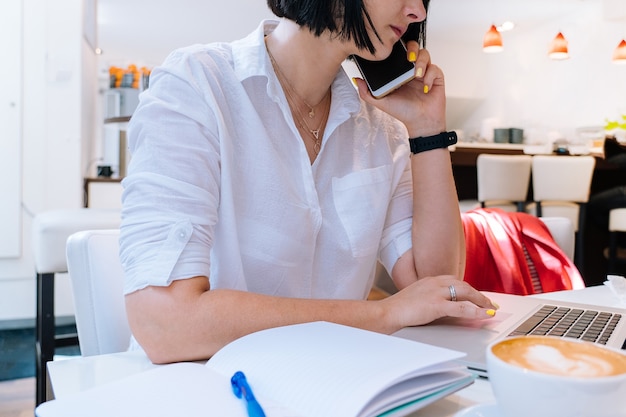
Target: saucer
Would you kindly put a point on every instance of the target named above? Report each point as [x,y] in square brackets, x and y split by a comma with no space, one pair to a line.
[480,410]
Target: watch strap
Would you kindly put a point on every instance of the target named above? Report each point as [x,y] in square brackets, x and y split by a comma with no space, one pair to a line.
[427,143]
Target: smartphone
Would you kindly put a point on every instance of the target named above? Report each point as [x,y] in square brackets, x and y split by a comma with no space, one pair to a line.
[385,76]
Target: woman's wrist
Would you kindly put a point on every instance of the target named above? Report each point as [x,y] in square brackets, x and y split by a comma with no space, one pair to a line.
[428,143]
[422,130]
[387,315]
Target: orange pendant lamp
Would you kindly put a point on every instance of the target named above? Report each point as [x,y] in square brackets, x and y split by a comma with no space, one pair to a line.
[619,56]
[558,48]
[492,42]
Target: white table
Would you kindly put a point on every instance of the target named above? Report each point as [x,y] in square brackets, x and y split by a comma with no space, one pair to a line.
[78,374]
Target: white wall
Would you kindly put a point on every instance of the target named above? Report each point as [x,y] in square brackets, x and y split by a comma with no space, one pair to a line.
[57,93]
[132,32]
[523,88]
[10,128]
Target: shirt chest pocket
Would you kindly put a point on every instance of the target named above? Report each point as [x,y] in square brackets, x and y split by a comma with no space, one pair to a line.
[361,200]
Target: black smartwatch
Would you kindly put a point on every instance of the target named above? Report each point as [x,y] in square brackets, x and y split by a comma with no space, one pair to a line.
[428,143]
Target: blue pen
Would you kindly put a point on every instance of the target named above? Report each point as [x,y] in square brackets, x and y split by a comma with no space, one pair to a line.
[243,390]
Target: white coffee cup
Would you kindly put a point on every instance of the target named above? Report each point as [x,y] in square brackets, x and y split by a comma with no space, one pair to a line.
[544,376]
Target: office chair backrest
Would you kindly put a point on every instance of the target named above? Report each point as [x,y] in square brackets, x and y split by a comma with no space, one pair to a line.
[562,231]
[503,179]
[562,178]
[561,187]
[97,284]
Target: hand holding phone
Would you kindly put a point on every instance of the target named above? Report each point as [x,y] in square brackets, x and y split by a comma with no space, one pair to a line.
[383,77]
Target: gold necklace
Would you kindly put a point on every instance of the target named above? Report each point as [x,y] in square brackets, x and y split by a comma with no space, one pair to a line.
[315,132]
[290,93]
[316,136]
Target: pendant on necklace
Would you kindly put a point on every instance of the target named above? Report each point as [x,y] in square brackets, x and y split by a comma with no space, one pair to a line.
[316,133]
[311,113]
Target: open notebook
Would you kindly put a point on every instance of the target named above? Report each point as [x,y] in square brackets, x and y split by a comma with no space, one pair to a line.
[522,315]
[304,370]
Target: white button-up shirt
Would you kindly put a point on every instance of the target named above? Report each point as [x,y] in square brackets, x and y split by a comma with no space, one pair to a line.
[220,183]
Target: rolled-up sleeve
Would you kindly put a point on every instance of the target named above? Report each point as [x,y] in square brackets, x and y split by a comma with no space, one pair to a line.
[171,193]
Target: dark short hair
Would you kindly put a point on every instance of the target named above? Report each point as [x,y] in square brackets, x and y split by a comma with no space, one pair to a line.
[346,18]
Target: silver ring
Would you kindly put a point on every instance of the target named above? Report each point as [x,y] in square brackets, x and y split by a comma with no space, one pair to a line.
[452,293]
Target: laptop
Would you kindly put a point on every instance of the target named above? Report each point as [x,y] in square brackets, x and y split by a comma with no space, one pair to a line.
[522,315]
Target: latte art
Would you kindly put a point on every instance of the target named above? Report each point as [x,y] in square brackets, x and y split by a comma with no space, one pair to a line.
[553,361]
[561,357]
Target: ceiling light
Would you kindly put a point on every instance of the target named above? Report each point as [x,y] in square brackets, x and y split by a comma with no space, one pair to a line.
[492,42]
[506,26]
[619,56]
[558,48]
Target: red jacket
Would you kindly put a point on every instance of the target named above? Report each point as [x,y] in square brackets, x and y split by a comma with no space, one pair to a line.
[515,253]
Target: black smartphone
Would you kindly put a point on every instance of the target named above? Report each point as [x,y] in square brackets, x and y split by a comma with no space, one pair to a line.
[385,76]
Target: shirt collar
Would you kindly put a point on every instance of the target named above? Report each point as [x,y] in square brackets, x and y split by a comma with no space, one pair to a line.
[251,60]
[249,54]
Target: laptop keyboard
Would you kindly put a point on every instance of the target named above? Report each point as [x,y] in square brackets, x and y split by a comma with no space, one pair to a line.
[589,325]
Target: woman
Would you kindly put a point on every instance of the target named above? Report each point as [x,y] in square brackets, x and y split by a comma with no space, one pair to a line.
[262,190]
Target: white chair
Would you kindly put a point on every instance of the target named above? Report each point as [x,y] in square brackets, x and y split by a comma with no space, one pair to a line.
[97,284]
[561,186]
[502,182]
[617,224]
[50,231]
[562,231]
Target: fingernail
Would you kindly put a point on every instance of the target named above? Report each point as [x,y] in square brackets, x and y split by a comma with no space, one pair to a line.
[412,57]
[491,312]
[495,305]
[354,81]
[426,89]
[420,72]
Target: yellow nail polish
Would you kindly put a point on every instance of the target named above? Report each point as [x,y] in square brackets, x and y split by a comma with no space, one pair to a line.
[412,56]
[426,89]
[491,312]
[354,81]
[495,305]
[420,72]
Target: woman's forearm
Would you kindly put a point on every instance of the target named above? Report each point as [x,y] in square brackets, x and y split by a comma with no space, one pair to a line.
[187,321]
[438,239]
